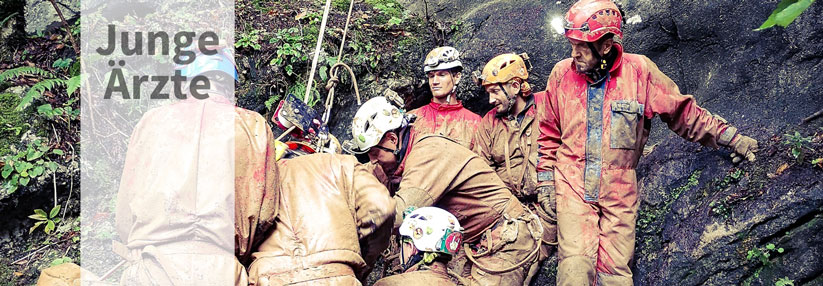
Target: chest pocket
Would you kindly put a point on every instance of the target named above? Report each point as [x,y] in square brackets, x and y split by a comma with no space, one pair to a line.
[625,117]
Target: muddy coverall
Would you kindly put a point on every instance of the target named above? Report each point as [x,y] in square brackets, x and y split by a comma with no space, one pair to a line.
[175,209]
[335,219]
[499,232]
[591,138]
[452,121]
[508,143]
[435,274]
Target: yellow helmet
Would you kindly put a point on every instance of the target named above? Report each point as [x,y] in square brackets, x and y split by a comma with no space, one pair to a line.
[502,69]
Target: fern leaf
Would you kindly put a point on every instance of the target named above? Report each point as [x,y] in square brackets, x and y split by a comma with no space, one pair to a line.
[26,70]
[37,90]
[72,84]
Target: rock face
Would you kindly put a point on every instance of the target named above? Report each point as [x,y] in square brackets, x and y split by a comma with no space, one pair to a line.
[41,16]
[702,221]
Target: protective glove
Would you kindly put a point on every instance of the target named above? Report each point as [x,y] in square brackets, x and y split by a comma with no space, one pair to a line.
[545,197]
[743,147]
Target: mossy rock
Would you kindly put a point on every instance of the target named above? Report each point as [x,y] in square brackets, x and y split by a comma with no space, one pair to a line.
[12,122]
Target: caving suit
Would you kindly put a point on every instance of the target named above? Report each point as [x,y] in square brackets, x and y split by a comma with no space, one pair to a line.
[591,138]
[508,143]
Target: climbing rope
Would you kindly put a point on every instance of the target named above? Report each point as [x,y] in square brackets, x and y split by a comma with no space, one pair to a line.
[333,80]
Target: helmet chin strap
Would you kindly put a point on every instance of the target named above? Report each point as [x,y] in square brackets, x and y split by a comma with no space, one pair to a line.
[510,98]
[598,71]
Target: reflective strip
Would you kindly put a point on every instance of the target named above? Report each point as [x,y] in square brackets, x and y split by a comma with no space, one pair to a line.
[727,136]
[545,176]
[594,140]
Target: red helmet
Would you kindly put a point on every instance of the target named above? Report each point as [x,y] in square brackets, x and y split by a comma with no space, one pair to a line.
[589,20]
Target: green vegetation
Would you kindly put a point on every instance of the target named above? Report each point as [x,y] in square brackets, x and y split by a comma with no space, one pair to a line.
[248,39]
[290,49]
[12,122]
[798,145]
[391,12]
[785,13]
[649,216]
[785,281]
[50,219]
[763,254]
[48,83]
[26,165]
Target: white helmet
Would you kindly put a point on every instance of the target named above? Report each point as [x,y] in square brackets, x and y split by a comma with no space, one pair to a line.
[433,230]
[442,58]
[374,118]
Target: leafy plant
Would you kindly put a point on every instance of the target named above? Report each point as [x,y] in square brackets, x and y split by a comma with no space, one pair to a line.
[818,162]
[66,110]
[249,39]
[785,281]
[36,91]
[50,219]
[797,145]
[290,52]
[60,260]
[763,254]
[299,90]
[785,13]
[391,12]
[62,63]
[26,165]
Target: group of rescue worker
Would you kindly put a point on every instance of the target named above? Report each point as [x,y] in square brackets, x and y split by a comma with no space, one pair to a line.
[443,195]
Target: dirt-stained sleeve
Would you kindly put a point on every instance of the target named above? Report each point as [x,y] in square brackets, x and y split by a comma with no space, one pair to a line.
[681,112]
[256,183]
[483,140]
[548,141]
[373,204]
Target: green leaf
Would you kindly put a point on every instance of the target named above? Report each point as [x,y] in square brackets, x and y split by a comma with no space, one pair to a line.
[72,85]
[54,211]
[33,155]
[58,111]
[780,250]
[49,227]
[795,152]
[787,16]
[52,166]
[770,246]
[37,217]
[44,109]
[37,171]
[20,167]
[817,161]
[57,151]
[40,212]
[24,181]
[24,174]
[35,226]
[772,20]
[7,170]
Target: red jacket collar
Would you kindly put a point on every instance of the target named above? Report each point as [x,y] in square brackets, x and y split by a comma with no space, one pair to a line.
[443,107]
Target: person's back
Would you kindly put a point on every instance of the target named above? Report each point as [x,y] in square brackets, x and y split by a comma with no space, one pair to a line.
[176,197]
[329,204]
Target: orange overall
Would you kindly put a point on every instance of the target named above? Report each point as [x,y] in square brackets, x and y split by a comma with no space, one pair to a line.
[591,138]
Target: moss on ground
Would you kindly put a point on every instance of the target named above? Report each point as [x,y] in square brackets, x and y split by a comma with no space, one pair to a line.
[12,122]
